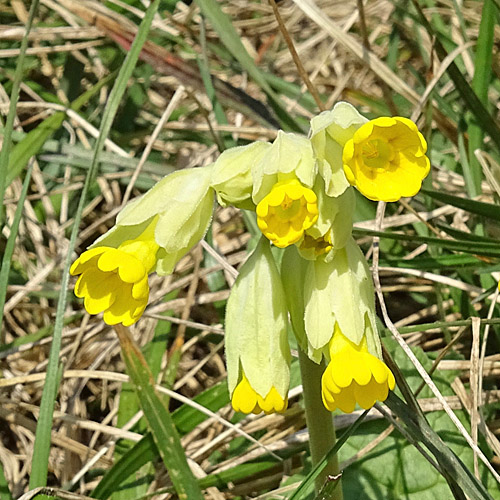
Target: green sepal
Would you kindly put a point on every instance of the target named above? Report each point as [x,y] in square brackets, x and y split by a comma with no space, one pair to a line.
[334,219]
[330,130]
[353,300]
[319,317]
[294,270]
[290,157]
[340,292]
[178,195]
[232,174]
[182,201]
[256,326]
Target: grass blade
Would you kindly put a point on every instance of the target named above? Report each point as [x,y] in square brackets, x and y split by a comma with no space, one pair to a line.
[143,452]
[470,98]
[14,96]
[9,248]
[230,38]
[43,431]
[308,484]
[4,487]
[159,419]
[480,85]
[475,207]
[34,140]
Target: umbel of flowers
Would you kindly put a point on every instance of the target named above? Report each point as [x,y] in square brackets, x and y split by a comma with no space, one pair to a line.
[301,190]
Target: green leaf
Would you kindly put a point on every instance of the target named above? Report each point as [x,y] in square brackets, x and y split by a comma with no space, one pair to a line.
[159,420]
[143,452]
[489,210]
[476,248]
[9,248]
[480,85]
[5,493]
[5,152]
[33,141]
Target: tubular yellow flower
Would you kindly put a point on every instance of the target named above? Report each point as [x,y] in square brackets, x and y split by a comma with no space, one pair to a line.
[246,399]
[354,376]
[115,280]
[385,159]
[286,212]
[316,246]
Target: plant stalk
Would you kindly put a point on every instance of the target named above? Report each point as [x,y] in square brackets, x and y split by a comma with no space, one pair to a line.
[319,423]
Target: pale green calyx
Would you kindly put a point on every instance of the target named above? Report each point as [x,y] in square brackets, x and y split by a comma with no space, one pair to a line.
[289,157]
[333,227]
[293,275]
[336,292]
[330,130]
[232,174]
[182,202]
[256,326]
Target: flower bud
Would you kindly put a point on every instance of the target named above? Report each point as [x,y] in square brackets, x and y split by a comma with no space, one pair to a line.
[232,174]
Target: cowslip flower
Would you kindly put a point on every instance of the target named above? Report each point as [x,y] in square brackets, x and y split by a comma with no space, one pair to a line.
[286,212]
[115,280]
[151,234]
[385,159]
[353,375]
[246,400]
[332,310]
[257,350]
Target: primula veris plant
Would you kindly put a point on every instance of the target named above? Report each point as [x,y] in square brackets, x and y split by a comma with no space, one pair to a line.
[301,190]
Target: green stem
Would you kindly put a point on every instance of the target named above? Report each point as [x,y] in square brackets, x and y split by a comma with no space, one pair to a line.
[319,422]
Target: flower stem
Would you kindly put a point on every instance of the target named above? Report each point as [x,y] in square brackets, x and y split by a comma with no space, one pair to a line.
[319,422]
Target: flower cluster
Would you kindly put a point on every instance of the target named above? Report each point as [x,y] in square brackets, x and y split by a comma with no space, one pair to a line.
[302,192]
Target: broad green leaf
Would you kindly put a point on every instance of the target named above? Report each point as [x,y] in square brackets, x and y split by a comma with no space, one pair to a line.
[395,469]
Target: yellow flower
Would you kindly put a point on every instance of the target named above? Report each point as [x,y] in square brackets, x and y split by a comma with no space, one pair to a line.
[115,280]
[286,212]
[385,159]
[316,246]
[246,399]
[354,376]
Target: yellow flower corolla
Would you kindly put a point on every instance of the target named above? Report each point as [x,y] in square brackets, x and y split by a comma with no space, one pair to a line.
[286,212]
[354,376]
[246,399]
[385,159]
[115,280]
[317,246]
